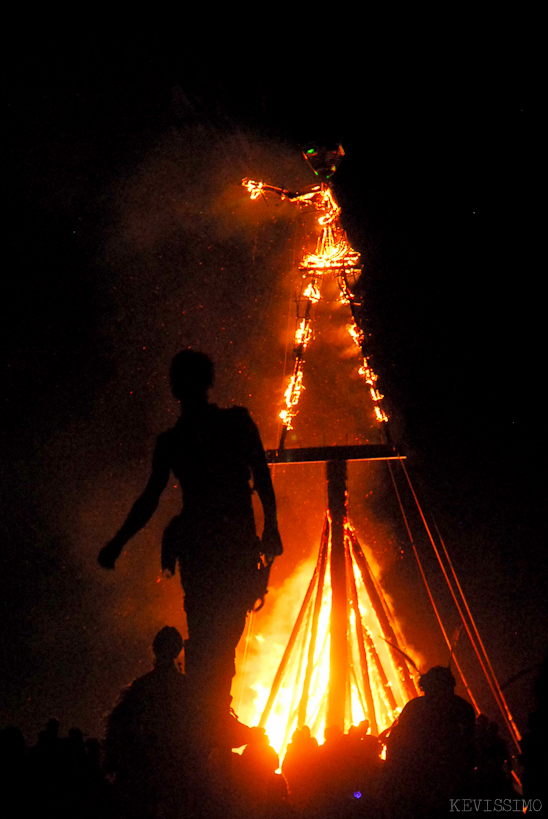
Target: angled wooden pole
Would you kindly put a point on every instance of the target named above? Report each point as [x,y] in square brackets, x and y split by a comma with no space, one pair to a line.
[301,720]
[382,617]
[353,597]
[288,649]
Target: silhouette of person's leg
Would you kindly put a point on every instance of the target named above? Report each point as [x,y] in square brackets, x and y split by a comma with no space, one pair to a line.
[216,621]
[218,575]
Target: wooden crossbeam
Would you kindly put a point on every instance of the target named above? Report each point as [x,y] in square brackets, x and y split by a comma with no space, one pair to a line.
[323,454]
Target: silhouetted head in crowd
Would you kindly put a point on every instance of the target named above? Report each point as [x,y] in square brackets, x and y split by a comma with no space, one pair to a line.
[52,727]
[332,734]
[50,734]
[358,732]
[167,646]
[437,682]
[192,375]
[482,724]
[301,736]
[75,736]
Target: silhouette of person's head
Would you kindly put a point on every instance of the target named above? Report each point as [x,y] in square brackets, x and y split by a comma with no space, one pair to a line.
[357,732]
[438,681]
[53,726]
[192,374]
[332,734]
[167,646]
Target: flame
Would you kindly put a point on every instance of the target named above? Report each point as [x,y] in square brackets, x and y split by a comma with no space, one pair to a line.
[387,685]
[292,395]
[357,334]
[255,188]
[312,292]
[303,334]
[380,415]
[367,373]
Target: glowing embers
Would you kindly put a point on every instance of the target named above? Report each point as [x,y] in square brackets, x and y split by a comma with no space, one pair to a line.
[377,685]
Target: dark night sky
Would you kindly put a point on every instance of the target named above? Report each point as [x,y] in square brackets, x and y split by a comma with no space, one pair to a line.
[128,237]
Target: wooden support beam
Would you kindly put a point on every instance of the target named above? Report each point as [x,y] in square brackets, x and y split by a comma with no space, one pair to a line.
[382,616]
[380,671]
[338,661]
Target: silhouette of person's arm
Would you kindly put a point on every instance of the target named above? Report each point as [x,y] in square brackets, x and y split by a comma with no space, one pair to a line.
[143,508]
[262,481]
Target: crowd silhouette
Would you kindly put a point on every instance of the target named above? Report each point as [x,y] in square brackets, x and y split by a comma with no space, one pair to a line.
[153,762]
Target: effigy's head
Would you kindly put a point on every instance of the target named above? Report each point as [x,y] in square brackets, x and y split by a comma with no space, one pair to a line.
[192,374]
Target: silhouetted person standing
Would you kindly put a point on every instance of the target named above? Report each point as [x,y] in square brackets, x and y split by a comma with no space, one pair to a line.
[146,746]
[213,453]
[430,751]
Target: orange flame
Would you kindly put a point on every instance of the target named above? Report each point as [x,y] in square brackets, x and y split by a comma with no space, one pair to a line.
[387,686]
[255,188]
[312,293]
